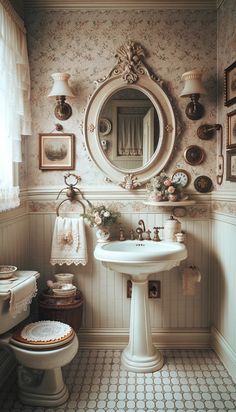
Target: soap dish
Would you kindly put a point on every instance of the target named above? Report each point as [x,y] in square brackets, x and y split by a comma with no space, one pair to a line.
[66,290]
[7,271]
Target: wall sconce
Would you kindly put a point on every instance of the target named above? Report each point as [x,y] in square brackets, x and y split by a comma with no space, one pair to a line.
[193,88]
[207,132]
[61,90]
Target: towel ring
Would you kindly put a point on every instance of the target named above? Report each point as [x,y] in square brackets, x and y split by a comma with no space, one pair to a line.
[66,200]
[72,192]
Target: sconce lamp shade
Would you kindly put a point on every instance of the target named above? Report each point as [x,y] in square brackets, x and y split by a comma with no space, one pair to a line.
[61,90]
[193,88]
[60,86]
[193,83]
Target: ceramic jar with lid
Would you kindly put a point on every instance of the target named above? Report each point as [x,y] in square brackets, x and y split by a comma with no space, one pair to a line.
[171,227]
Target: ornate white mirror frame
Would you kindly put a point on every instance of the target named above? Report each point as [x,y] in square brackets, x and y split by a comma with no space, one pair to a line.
[130,70]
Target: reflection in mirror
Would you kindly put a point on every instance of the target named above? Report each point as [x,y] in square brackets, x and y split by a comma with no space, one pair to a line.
[129,129]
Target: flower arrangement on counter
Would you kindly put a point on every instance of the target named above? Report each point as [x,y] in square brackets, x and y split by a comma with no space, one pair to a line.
[101,216]
[163,188]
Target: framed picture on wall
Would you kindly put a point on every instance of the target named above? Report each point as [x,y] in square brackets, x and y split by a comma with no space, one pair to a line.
[231,165]
[56,151]
[231,136]
[230,84]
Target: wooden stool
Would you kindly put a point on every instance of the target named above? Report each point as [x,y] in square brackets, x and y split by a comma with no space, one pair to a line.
[64,309]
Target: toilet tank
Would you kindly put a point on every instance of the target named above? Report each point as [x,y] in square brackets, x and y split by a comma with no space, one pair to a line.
[7,321]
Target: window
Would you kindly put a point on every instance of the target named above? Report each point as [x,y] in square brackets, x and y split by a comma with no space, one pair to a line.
[14,100]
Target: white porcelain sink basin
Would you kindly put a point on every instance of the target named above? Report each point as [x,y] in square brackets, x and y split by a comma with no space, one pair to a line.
[135,257]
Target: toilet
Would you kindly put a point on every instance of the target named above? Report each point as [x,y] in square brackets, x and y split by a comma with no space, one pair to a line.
[41,350]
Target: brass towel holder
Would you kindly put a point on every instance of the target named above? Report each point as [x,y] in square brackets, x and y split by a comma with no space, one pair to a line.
[72,192]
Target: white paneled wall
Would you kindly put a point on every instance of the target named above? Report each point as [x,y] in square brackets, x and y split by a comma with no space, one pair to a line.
[223,280]
[14,239]
[105,291]
[223,289]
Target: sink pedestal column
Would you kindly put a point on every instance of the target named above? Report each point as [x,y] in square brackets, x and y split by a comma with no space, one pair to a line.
[140,355]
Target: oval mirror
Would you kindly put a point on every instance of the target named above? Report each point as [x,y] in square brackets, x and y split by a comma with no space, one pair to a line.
[129,129]
[129,122]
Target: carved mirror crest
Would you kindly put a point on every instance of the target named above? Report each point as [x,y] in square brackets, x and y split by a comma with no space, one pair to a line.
[129,125]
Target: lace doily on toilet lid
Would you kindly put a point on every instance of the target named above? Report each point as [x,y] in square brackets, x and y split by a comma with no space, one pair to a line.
[46,331]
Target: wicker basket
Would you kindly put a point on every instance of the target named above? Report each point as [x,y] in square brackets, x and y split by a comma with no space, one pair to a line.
[65,310]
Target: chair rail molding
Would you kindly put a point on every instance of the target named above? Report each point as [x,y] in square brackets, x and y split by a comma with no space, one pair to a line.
[123,4]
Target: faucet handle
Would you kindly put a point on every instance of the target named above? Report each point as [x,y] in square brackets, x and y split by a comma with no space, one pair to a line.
[148,234]
[122,237]
[131,234]
[156,237]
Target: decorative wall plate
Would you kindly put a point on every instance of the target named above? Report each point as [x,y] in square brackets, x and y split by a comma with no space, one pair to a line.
[182,177]
[104,126]
[179,211]
[194,155]
[203,184]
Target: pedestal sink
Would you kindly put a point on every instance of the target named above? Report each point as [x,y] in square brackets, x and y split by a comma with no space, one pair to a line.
[139,259]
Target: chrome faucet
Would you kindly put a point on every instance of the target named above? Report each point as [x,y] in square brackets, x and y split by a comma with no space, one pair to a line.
[142,224]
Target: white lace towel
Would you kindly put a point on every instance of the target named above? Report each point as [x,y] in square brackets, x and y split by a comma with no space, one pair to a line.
[21,295]
[191,278]
[69,242]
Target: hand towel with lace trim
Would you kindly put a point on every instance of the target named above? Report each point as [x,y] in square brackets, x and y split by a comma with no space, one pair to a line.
[69,242]
[22,295]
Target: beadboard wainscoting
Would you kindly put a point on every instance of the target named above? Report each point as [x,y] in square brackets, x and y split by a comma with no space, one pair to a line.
[223,283]
[176,318]
[14,238]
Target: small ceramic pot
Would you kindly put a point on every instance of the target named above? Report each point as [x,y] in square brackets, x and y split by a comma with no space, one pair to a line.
[64,277]
[180,237]
[171,227]
[103,235]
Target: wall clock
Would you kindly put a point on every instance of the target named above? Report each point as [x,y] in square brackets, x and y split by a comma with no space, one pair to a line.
[194,155]
[203,184]
[181,176]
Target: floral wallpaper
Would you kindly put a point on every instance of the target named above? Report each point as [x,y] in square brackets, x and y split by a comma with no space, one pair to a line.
[84,43]
[226,56]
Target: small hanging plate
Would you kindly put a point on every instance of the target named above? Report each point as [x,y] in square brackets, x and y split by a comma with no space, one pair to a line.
[203,184]
[194,155]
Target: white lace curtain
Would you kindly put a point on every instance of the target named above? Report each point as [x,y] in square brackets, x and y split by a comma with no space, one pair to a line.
[14,100]
[130,141]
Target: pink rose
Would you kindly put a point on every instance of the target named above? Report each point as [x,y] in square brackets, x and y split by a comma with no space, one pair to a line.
[172,198]
[167,182]
[171,189]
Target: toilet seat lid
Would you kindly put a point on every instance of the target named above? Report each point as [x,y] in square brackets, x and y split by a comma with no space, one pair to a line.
[46,333]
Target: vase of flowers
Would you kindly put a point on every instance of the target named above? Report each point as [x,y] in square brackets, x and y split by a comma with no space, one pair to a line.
[101,218]
[163,188]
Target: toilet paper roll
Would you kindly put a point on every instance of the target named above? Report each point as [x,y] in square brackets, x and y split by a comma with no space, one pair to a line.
[191,277]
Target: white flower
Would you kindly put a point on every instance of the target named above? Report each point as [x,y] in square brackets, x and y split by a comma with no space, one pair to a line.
[106,213]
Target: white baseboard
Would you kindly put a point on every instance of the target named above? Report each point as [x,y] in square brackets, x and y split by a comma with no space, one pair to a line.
[118,338]
[224,351]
